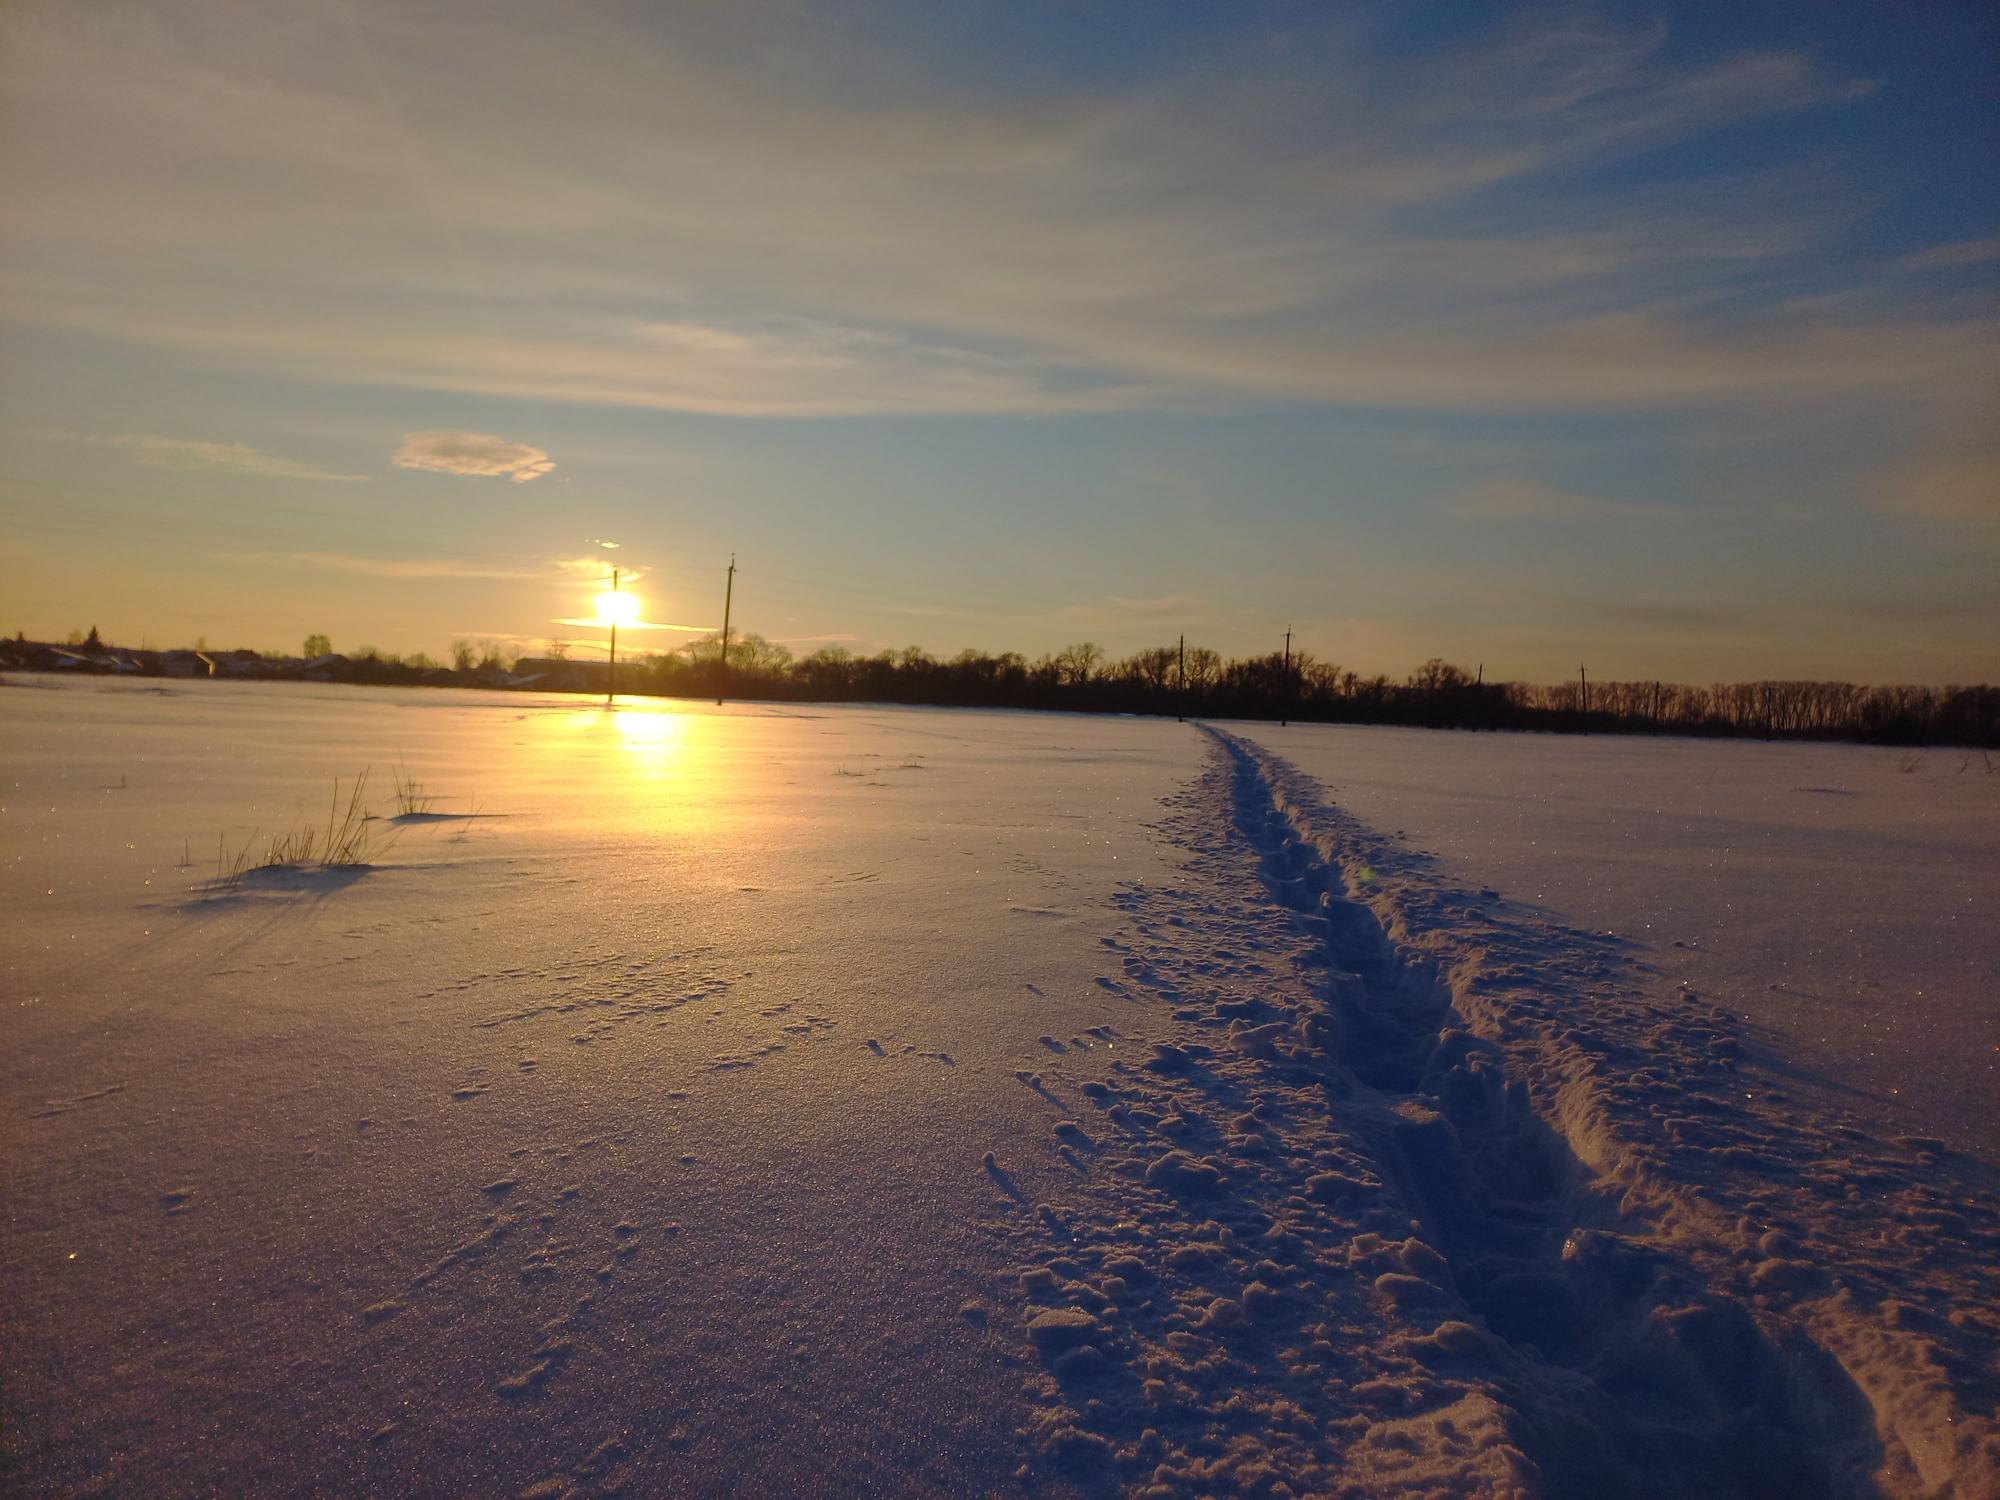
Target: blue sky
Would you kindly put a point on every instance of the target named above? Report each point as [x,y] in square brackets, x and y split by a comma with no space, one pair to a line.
[1661,337]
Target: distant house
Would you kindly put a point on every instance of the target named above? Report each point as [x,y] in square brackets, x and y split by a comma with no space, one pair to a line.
[549,674]
[80,659]
[324,668]
[185,664]
[242,662]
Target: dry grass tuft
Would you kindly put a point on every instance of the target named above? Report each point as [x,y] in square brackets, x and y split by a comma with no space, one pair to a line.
[411,798]
[341,843]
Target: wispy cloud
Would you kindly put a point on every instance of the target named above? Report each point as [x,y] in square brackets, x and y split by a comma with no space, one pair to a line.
[587,622]
[591,569]
[1963,486]
[398,567]
[1676,614]
[1953,256]
[1121,614]
[556,570]
[498,637]
[1973,609]
[1335,221]
[1166,607]
[1527,499]
[476,454]
[160,452]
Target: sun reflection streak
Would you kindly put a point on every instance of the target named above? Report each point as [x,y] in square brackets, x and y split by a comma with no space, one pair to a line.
[639,768]
[654,733]
[644,736]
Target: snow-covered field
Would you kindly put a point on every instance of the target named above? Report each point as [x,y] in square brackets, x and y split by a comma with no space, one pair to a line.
[770,1100]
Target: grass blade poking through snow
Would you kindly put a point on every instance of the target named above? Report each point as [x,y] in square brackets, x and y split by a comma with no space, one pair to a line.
[347,835]
[342,844]
[412,801]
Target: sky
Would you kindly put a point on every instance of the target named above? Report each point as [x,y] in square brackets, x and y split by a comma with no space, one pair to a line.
[1662,338]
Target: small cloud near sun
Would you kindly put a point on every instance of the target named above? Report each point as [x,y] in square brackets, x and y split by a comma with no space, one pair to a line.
[478,454]
[591,568]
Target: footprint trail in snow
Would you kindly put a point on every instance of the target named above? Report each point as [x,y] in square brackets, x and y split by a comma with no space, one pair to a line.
[1427,1195]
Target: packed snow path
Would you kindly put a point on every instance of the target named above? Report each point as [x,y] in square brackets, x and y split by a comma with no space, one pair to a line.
[1428,1199]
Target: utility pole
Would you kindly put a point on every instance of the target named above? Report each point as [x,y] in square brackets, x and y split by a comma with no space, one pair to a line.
[611,677]
[1284,718]
[1583,683]
[728,595]
[1180,686]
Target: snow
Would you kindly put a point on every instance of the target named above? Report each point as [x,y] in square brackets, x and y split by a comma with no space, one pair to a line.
[795,1100]
[1840,898]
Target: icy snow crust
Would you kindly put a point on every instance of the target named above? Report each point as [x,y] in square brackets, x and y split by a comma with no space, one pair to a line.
[869,1101]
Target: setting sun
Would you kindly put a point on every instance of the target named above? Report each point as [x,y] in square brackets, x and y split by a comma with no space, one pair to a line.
[615,607]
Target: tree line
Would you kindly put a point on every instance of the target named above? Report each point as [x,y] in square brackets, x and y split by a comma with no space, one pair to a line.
[1158,680]
[1161,680]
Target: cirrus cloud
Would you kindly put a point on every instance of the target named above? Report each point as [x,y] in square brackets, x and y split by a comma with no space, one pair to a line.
[1959,486]
[158,452]
[1527,499]
[1348,221]
[477,454]
[403,568]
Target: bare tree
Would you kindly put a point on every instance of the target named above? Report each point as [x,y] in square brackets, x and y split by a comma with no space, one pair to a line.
[1204,668]
[1438,676]
[1156,667]
[1077,664]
